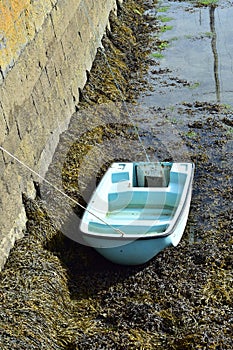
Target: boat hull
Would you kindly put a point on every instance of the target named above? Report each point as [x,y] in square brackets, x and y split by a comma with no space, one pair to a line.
[139,251]
[135,253]
[139,248]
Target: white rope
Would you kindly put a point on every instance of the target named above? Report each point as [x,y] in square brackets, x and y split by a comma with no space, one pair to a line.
[60,191]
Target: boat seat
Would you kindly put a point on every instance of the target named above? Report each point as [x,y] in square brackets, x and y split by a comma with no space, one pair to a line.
[163,214]
[128,229]
[141,199]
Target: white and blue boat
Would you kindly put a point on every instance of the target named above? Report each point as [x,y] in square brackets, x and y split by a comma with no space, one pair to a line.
[138,209]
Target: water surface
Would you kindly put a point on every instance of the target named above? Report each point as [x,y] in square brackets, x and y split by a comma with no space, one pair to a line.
[197,65]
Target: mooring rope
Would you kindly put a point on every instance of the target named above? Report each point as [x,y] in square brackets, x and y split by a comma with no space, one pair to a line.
[60,191]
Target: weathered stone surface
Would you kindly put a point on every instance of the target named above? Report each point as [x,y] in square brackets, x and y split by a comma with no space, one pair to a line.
[46,47]
[3,128]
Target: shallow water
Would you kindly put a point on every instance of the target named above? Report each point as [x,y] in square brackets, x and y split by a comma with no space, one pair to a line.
[198,62]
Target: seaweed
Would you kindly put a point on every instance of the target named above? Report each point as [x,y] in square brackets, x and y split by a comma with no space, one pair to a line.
[58,294]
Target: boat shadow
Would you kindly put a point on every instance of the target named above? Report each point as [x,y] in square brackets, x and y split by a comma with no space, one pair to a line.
[88,272]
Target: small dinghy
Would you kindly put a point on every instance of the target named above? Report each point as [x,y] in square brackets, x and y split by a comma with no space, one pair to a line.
[138,209]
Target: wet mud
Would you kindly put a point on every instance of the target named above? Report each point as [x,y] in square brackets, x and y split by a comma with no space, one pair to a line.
[59,294]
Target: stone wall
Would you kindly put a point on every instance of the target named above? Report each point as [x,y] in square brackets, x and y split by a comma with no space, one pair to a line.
[46,49]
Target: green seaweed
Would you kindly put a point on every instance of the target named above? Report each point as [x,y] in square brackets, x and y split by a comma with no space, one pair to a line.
[165,28]
[194,85]
[165,19]
[157,55]
[163,8]
[207,2]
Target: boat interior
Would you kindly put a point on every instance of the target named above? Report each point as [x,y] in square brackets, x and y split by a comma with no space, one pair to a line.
[142,198]
[150,204]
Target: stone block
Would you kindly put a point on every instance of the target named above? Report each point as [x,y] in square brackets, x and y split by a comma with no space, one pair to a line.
[32,63]
[25,116]
[75,90]
[12,142]
[3,126]
[26,151]
[38,99]
[2,169]
[60,87]
[51,72]
[37,14]
[66,74]
[45,83]
[49,37]
[42,51]
[63,12]
[58,56]
[6,106]
[47,6]
[69,104]
[7,92]
[67,40]
[21,82]
[13,174]
[17,87]
[7,239]
[56,17]
[22,35]
[84,25]
[29,23]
